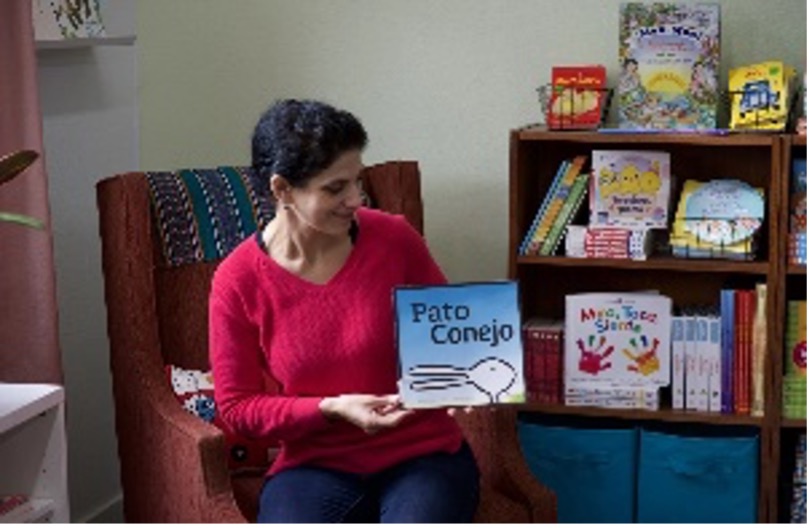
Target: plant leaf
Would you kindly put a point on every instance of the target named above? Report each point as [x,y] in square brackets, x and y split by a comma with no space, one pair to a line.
[21,219]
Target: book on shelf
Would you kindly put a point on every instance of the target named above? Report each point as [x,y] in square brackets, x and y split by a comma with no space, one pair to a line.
[621,339]
[566,214]
[630,189]
[459,344]
[578,96]
[542,339]
[717,219]
[552,204]
[727,301]
[669,58]
[67,19]
[759,350]
[798,502]
[760,96]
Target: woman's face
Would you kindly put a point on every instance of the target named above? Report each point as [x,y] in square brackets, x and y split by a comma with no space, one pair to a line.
[328,201]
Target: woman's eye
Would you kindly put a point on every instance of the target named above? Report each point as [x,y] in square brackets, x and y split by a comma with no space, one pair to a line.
[335,188]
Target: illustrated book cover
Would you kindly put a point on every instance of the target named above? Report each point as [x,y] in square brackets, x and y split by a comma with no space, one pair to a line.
[621,339]
[669,56]
[67,19]
[578,94]
[630,189]
[459,344]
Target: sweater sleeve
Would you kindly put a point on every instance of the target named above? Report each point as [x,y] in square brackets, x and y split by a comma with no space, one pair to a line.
[421,269]
[238,369]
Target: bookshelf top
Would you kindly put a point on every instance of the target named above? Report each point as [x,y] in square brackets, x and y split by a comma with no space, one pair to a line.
[536,133]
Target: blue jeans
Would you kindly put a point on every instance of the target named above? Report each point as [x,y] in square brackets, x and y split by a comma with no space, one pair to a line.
[435,488]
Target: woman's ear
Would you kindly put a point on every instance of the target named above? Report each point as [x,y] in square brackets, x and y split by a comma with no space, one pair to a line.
[280,189]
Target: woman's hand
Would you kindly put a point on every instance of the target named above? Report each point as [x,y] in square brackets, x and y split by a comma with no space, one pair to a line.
[369,413]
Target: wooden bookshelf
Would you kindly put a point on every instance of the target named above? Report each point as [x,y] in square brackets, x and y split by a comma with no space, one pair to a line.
[762,160]
[663,415]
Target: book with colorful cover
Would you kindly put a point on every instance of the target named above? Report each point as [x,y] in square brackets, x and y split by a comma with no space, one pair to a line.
[459,344]
[529,241]
[669,56]
[566,214]
[578,95]
[718,218]
[623,339]
[760,95]
[631,188]
[759,351]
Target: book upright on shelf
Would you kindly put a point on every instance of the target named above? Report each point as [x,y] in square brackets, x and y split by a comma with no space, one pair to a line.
[669,56]
[578,96]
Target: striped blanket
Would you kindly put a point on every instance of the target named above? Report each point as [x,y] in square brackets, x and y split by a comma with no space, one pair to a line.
[202,214]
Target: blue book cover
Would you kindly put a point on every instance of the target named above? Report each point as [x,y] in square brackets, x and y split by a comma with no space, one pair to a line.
[727,311]
[459,344]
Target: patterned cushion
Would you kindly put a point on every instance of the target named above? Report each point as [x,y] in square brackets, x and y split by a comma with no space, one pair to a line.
[202,214]
[194,391]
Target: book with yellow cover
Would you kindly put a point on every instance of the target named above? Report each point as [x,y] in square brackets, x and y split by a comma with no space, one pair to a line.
[760,95]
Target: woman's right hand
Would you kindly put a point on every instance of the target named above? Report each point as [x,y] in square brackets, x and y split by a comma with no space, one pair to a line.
[369,413]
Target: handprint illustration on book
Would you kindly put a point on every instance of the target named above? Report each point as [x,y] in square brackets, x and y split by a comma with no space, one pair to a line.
[491,376]
[645,359]
[592,359]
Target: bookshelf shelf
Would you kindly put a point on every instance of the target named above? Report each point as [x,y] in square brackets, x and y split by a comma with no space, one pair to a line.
[762,160]
[663,415]
[655,263]
[796,269]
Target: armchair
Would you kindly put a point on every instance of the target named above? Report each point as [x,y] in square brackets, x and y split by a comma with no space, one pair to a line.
[173,465]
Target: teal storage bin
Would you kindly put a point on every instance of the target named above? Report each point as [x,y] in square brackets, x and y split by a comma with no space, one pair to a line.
[697,479]
[592,471]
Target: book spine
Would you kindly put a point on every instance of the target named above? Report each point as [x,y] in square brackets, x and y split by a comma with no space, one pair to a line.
[566,214]
[677,364]
[691,363]
[555,205]
[531,236]
[738,338]
[759,350]
[715,365]
[727,313]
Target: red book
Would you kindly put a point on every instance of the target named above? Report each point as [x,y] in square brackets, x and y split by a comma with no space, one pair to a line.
[577,96]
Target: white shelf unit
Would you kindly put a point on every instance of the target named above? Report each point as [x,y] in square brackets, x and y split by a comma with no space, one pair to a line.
[76,43]
[33,448]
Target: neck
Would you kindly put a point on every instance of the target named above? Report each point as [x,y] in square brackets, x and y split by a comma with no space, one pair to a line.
[289,238]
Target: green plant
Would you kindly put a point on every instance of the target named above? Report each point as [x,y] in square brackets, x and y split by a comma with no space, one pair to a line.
[11,165]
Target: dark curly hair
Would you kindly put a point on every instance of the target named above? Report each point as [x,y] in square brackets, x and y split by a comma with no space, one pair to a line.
[298,139]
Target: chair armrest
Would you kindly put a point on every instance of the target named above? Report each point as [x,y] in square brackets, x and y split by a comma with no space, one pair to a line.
[514,479]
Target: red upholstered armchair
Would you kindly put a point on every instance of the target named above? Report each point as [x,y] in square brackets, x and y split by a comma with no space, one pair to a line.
[173,464]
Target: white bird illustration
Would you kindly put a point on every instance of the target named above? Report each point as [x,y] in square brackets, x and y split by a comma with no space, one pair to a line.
[491,376]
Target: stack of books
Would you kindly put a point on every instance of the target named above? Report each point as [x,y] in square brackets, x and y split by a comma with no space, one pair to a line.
[543,342]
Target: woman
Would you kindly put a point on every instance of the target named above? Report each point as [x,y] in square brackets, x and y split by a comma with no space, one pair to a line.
[308,301]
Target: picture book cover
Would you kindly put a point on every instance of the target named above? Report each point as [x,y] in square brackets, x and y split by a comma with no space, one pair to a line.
[619,338]
[669,56]
[760,96]
[630,188]
[459,344]
[577,96]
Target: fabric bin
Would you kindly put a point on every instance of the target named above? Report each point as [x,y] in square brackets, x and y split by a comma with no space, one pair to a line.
[592,471]
[697,479]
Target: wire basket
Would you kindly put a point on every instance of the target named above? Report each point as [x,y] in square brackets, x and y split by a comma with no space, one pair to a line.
[573,108]
[759,109]
[735,238]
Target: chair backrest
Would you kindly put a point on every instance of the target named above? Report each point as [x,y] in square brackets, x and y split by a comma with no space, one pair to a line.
[164,307]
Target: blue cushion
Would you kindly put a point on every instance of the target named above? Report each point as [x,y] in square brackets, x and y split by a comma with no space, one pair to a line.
[591,471]
[691,479]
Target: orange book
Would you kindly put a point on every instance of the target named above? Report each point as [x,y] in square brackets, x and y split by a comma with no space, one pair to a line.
[577,97]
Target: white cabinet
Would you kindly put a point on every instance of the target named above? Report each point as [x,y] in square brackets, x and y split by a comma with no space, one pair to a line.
[33,450]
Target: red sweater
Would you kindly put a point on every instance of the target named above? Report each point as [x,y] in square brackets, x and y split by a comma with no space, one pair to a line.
[321,340]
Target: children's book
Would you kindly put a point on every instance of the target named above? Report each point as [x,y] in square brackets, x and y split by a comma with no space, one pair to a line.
[577,96]
[718,218]
[669,57]
[622,339]
[630,188]
[459,344]
[760,96]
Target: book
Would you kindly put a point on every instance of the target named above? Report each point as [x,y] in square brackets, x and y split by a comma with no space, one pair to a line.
[529,240]
[577,97]
[566,214]
[67,19]
[459,344]
[760,96]
[669,57]
[618,338]
[630,188]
